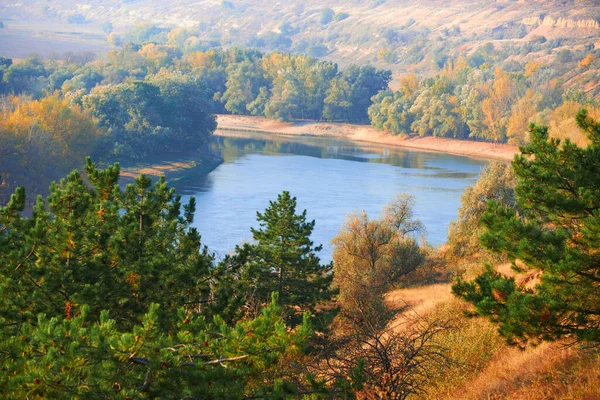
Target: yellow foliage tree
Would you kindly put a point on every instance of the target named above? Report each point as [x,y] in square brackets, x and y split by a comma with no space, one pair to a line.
[155,56]
[276,62]
[532,67]
[496,107]
[562,124]
[409,84]
[114,39]
[62,134]
[522,114]
[177,36]
[370,255]
[201,59]
[587,61]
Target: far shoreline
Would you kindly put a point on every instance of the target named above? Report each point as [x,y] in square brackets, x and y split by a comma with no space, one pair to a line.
[364,133]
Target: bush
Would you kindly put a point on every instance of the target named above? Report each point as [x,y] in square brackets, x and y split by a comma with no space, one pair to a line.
[340,16]
[371,255]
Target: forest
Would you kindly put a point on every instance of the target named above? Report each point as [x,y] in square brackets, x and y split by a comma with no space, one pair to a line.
[469,97]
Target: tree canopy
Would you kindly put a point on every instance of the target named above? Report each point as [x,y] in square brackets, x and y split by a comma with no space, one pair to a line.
[167,114]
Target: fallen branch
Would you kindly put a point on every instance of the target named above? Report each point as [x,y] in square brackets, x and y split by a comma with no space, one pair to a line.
[146,362]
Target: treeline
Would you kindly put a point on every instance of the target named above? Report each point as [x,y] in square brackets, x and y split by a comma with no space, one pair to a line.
[41,139]
[464,100]
[166,113]
[150,98]
[276,85]
[481,103]
[153,99]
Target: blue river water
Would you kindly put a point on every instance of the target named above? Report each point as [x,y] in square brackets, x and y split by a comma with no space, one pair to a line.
[330,178]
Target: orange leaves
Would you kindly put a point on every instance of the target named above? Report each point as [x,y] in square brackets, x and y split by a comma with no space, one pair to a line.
[133,279]
[496,108]
[532,67]
[201,59]
[587,61]
[68,310]
[522,114]
[409,84]
[156,56]
[65,132]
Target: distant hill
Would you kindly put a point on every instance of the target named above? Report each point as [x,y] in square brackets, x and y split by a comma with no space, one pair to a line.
[402,35]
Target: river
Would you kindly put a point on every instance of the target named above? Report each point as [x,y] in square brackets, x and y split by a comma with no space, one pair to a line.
[330,178]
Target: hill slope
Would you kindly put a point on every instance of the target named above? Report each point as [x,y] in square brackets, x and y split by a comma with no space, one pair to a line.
[398,34]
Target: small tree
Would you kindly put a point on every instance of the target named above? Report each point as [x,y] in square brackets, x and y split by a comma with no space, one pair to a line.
[107,27]
[282,259]
[556,232]
[369,255]
[327,15]
[394,362]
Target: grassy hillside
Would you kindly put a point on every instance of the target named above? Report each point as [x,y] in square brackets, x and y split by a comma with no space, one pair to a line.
[487,368]
[398,34]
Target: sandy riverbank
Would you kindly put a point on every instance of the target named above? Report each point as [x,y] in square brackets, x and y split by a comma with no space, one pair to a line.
[173,169]
[364,133]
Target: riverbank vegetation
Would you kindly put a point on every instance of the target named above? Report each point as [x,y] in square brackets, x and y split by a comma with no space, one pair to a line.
[43,138]
[110,293]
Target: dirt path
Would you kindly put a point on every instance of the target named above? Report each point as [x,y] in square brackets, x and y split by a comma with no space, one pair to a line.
[364,133]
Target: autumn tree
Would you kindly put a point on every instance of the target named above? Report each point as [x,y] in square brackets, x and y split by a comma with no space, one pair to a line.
[522,114]
[42,139]
[586,62]
[496,182]
[496,107]
[370,255]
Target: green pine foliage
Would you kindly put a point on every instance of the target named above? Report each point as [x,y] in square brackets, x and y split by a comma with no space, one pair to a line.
[104,293]
[556,233]
[282,259]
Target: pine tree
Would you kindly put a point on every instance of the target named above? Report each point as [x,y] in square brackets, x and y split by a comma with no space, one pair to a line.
[556,233]
[282,260]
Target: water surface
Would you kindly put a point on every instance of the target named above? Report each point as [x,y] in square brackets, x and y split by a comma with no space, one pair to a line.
[330,178]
